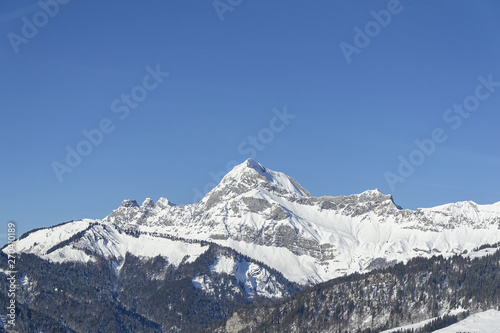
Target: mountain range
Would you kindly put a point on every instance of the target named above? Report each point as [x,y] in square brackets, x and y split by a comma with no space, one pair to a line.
[258,236]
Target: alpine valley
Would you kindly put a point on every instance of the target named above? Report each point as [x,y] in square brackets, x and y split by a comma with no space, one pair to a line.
[258,254]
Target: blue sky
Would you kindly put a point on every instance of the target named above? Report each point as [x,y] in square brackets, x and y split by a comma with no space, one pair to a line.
[351,116]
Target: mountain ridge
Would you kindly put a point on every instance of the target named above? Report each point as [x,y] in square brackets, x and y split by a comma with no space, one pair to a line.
[269,216]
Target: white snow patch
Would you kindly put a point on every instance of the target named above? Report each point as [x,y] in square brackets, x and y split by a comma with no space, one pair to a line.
[24,280]
[223,264]
[203,282]
[67,254]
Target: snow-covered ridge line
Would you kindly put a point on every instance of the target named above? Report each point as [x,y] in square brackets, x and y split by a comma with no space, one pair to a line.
[39,241]
[26,234]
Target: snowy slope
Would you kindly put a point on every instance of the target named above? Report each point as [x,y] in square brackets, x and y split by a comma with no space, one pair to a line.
[483,322]
[422,323]
[270,217]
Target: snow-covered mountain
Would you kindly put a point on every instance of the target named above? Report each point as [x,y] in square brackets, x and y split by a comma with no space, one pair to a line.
[268,216]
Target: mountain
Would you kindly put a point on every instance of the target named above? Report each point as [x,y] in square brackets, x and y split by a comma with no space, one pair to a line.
[257,237]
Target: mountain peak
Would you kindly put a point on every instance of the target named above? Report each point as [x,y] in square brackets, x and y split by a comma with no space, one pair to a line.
[129,203]
[253,173]
[375,192]
[250,166]
[164,202]
[148,203]
[250,163]
[377,196]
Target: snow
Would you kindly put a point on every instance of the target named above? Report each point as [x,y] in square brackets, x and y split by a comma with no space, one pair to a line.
[412,326]
[66,254]
[223,265]
[24,280]
[422,323]
[198,282]
[483,322]
[203,282]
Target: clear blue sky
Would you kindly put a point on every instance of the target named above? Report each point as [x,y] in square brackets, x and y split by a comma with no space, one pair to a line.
[352,120]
